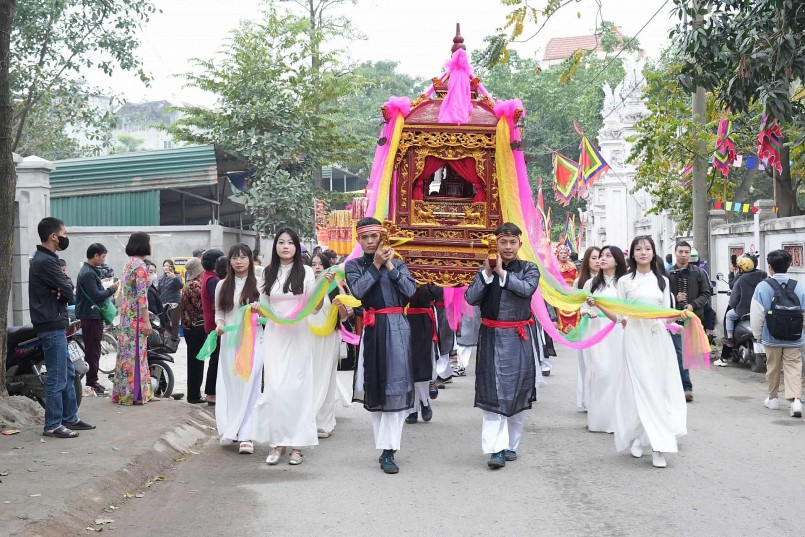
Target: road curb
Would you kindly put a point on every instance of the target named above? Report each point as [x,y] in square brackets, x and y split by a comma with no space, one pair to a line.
[132,477]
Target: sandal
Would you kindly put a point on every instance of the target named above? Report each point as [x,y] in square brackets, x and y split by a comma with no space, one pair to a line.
[296,458]
[274,457]
[60,432]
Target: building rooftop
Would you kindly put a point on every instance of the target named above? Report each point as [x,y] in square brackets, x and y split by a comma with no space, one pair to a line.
[560,48]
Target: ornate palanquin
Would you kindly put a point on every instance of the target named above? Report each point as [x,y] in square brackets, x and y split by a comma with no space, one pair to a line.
[446,230]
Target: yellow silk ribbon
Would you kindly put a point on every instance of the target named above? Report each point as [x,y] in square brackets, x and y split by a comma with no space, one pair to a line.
[331,321]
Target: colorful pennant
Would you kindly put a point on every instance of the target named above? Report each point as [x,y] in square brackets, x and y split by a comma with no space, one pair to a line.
[725,153]
[592,165]
[566,177]
[769,141]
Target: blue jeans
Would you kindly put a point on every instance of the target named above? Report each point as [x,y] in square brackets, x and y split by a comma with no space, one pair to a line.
[684,373]
[60,403]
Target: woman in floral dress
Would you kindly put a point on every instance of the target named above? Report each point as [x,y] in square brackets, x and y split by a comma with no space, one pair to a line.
[132,382]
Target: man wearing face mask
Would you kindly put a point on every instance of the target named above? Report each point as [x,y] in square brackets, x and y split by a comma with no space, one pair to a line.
[155,304]
[49,291]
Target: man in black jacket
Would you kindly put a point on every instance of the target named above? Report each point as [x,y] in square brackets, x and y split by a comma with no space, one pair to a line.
[90,296]
[49,291]
[691,290]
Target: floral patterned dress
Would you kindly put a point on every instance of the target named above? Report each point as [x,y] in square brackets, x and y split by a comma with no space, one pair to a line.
[132,382]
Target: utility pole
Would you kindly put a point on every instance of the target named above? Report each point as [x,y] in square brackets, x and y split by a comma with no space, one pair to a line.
[701,214]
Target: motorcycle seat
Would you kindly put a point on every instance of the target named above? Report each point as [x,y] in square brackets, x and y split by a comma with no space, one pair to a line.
[18,334]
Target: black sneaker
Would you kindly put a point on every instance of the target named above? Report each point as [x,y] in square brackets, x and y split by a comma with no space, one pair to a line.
[427,412]
[99,390]
[433,391]
[387,463]
[411,418]
[509,455]
[497,460]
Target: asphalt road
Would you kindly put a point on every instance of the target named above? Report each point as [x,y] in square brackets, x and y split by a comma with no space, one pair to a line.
[740,471]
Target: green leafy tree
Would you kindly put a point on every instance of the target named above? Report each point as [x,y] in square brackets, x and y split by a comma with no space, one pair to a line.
[750,54]
[552,102]
[374,83]
[53,43]
[272,112]
[127,143]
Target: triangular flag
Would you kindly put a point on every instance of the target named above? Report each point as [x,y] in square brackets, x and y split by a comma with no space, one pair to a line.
[591,163]
[566,176]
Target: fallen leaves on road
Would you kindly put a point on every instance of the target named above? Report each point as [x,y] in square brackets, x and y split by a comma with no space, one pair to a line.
[3,472]
[180,459]
[35,495]
[9,432]
[102,521]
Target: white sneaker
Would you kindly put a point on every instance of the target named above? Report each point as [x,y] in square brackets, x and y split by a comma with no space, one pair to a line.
[720,363]
[772,404]
[658,460]
[637,449]
[246,448]
[796,409]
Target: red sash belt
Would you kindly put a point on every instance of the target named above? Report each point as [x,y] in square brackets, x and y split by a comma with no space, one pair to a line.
[437,304]
[369,315]
[429,313]
[519,325]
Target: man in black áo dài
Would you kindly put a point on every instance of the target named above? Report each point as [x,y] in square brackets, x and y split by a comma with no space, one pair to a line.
[505,373]
[383,378]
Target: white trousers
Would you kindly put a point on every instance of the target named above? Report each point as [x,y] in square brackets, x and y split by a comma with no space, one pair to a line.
[499,432]
[421,395]
[388,427]
[465,355]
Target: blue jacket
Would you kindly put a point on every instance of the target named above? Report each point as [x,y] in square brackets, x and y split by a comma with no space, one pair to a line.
[761,302]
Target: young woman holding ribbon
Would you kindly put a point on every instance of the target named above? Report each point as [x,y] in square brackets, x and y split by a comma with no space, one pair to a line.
[239,368]
[286,416]
[650,403]
[327,350]
[600,379]
[589,270]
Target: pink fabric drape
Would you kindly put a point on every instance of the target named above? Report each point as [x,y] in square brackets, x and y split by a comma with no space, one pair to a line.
[466,169]
[431,165]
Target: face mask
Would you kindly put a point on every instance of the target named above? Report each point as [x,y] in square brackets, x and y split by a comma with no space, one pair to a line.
[64,242]
[152,279]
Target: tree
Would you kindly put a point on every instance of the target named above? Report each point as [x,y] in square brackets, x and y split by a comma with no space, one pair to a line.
[127,143]
[750,53]
[8,180]
[667,143]
[274,113]
[552,102]
[374,83]
[54,43]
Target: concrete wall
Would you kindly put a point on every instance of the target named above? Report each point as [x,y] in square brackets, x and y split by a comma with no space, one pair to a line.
[761,236]
[166,242]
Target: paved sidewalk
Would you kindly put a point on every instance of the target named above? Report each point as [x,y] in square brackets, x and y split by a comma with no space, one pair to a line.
[62,486]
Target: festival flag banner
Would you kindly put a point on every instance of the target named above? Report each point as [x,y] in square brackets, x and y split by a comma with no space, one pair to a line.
[769,141]
[591,165]
[724,154]
[728,205]
[566,177]
[736,207]
[746,208]
[718,204]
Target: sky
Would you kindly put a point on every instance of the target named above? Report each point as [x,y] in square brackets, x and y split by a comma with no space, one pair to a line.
[416,33]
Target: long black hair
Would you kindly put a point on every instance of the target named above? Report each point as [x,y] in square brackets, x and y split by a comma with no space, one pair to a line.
[585,265]
[620,267]
[250,293]
[656,266]
[325,262]
[296,279]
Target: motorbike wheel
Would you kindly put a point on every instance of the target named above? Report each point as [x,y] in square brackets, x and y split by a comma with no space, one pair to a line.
[162,377]
[37,392]
[108,360]
[758,364]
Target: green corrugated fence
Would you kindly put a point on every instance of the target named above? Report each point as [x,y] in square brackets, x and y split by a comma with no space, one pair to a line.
[124,209]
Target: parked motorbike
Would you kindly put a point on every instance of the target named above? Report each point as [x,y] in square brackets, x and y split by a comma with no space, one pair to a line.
[162,343]
[25,362]
[743,352]
[108,359]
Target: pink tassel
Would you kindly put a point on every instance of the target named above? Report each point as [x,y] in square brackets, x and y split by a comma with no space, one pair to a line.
[457,105]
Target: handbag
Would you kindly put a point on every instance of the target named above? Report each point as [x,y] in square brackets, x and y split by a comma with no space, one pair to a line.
[108,311]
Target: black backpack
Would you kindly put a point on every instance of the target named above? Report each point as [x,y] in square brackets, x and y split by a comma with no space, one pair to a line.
[784,317]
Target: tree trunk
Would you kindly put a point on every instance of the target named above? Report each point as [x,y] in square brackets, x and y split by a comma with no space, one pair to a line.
[784,195]
[8,181]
